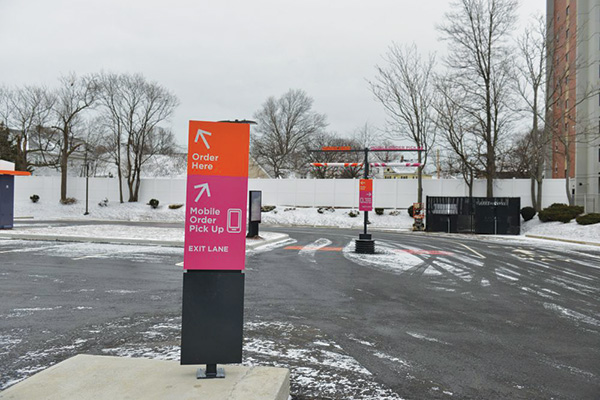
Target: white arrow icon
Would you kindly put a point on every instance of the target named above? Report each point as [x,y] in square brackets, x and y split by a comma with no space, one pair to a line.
[200,134]
[203,188]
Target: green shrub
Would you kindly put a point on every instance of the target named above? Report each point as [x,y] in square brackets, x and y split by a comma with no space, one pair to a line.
[267,208]
[560,212]
[588,219]
[175,206]
[68,201]
[528,213]
[34,198]
[379,211]
[322,210]
[153,203]
[410,211]
[354,213]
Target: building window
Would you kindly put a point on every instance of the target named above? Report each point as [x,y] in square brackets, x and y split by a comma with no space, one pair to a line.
[556,168]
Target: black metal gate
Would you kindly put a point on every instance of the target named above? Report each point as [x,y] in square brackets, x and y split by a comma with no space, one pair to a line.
[491,215]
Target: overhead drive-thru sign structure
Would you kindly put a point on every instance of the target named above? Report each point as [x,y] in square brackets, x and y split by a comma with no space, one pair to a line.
[365,244]
[215,245]
[216,196]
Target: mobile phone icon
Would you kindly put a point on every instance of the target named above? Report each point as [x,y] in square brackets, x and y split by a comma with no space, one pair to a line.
[234,220]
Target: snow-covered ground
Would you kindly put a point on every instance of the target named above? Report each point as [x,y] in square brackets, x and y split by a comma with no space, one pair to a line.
[114,211]
[571,230]
[281,216]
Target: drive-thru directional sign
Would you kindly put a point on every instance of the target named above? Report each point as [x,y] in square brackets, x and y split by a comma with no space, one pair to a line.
[365,195]
[217,186]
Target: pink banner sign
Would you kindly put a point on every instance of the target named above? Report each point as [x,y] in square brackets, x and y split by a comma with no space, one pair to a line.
[215,223]
[365,195]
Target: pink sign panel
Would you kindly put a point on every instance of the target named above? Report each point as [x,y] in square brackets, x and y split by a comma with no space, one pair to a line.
[365,195]
[215,223]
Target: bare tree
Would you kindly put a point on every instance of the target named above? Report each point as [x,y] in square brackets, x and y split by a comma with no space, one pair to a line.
[480,58]
[404,86]
[25,111]
[144,136]
[8,149]
[531,86]
[519,160]
[74,96]
[318,141]
[464,154]
[284,126]
[117,103]
[132,109]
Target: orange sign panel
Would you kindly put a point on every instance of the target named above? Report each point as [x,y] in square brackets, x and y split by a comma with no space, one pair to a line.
[366,185]
[335,148]
[218,149]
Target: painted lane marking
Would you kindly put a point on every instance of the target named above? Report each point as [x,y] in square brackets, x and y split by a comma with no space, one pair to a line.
[309,250]
[313,248]
[471,250]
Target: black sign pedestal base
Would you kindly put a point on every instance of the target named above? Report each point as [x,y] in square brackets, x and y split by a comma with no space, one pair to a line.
[252,230]
[212,320]
[365,245]
[211,371]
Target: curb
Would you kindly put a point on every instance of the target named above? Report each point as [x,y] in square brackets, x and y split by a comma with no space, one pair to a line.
[563,240]
[165,243]
[259,243]
[61,238]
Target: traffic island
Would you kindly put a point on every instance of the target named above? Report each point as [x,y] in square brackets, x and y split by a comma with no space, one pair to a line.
[107,377]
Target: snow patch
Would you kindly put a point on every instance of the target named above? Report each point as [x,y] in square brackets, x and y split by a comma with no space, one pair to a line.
[427,338]
[385,356]
[389,260]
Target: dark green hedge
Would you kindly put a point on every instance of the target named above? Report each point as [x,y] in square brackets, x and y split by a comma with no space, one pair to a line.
[527,213]
[560,212]
[588,219]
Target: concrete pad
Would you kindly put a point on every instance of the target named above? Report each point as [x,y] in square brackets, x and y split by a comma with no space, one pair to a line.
[110,378]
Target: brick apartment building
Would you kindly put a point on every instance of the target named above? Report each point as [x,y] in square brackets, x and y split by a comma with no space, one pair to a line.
[574,80]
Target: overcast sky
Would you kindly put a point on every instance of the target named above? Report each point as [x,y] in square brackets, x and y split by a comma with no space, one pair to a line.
[224,58]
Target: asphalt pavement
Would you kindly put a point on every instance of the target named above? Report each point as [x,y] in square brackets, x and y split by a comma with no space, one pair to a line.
[428,316]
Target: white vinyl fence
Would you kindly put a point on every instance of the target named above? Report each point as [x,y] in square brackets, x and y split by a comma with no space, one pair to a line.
[388,193]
